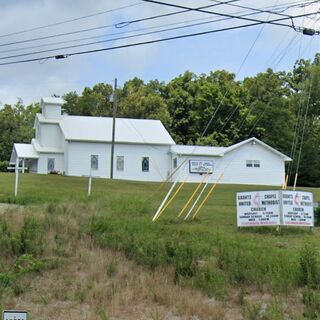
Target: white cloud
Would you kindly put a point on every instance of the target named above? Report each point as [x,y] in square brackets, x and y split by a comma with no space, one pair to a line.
[162,60]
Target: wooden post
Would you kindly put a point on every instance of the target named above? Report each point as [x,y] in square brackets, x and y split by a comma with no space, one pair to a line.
[295,182]
[89,182]
[16,177]
[113,126]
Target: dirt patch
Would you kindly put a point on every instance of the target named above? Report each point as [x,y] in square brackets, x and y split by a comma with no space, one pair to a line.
[4,207]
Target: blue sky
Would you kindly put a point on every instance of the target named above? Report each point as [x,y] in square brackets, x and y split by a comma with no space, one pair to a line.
[163,61]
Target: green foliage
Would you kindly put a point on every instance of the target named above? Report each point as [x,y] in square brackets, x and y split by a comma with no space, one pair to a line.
[309,266]
[207,254]
[103,315]
[4,165]
[311,301]
[112,268]
[212,281]
[24,264]
[16,125]
[317,216]
[27,240]
[269,106]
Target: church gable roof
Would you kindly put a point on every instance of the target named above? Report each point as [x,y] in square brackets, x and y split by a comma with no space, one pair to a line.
[99,129]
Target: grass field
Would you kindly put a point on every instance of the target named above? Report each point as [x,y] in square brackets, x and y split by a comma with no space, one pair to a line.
[264,273]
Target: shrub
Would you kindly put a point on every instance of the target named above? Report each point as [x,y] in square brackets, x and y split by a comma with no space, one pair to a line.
[184,262]
[3,166]
[317,216]
[309,267]
[212,281]
[31,237]
[311,301]
[23,265]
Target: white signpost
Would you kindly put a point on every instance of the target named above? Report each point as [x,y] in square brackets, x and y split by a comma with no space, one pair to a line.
[275,207]
[14,315]
[201,166]
[297,208]
[258,208]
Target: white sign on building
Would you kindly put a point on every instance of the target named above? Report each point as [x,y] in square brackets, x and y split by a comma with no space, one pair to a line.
[297,208]
[200,166]
[14,315]
[258,208]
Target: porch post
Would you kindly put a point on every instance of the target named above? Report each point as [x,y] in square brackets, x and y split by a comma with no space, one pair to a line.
[17,177]
[23,165]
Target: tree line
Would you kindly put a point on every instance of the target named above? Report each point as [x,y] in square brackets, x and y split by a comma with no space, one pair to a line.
[280,108]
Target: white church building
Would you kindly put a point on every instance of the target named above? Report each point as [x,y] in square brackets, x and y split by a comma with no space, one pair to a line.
[143,150]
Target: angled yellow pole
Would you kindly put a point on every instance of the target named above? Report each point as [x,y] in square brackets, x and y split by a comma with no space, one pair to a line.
[286,182]
[192,196]
[207,196]
[196,201]
[164,200]
[171,199]
[167,180]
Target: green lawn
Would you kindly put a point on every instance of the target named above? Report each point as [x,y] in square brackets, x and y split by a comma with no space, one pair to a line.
[208,253]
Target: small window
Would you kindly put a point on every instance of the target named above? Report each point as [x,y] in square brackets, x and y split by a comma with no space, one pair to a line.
[145,164]
[256,163]
[94,162]
[120,163]
[249,164]
[175,163]
[50,164]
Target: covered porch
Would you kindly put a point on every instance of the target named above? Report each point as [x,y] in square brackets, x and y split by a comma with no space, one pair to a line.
[24,157]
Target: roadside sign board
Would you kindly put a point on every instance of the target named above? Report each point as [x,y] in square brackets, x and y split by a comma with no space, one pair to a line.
[200,166]
[275,207]
[258,208]
[297,208]
[14,315]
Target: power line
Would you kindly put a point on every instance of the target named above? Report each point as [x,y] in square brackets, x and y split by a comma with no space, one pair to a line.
[274,21]
[108,40]
[253,9]
[130,31]
[110,34]
[116,25]
[70,20]
[123,24]
[61,56]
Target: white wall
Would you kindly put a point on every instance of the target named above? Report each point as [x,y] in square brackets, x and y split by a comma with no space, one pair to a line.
[43,162]
[271,171]
[234,169]
[49,135]
[51,111]
[79,160]
[159,162]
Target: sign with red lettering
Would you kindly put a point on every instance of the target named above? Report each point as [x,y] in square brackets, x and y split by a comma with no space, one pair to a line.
[297,208]
[258,208]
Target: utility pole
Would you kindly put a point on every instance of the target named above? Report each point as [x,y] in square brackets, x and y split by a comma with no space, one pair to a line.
[113,126]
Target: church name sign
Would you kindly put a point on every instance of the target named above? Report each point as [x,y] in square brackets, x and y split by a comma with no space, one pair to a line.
[201,166]
[275,207]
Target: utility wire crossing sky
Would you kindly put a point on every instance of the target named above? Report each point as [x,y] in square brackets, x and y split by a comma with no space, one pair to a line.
[149,39]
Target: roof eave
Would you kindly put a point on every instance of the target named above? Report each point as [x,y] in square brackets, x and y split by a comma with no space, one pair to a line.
[118,142]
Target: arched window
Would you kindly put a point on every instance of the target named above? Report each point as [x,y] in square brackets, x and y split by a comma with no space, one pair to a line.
[145,164]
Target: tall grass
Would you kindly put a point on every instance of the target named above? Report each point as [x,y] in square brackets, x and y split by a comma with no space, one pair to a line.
[207,254]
